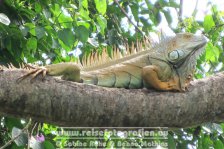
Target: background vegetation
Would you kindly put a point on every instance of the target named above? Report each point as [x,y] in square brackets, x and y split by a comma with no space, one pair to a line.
[50,31]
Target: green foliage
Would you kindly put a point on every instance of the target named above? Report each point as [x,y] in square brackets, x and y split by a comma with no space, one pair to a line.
[101,6]
[212,52]
[208,23]
[50,28]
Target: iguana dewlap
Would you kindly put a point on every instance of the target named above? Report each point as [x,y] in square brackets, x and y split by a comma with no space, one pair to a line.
[167,66]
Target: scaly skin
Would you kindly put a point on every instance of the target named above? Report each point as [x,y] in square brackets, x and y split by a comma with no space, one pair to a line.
[168,66]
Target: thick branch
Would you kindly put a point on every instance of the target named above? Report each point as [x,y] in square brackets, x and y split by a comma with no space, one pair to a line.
[72,104]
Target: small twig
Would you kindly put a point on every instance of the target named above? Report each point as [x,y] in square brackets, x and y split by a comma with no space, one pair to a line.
[180,13]
[195,9]
[13,139]
[28,136]
[129,19]
[35,125]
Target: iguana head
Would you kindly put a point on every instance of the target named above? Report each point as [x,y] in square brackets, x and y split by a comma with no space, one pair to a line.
[184,45]
[181,53]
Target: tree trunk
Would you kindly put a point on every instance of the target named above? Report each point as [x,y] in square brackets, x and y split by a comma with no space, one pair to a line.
[72,104]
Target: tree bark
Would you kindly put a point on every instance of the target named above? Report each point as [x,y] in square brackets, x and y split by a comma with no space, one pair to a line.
[67,103]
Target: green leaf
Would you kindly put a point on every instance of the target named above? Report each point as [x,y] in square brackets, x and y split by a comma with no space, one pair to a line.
[102,22]
[206,142]
[22,139]
[145,22]
[134,9]
[67,37]
[24,30]
[12,122]
[8,43]
[40,32]
[84,23]
[38,7]
[16,47]
[45,44]
[174,4]
[47,13]
[168,16]
[218,144]
[31,44]
[171,142]
[48,145]
[55,44]
[56,9]
[84,14]
[82,33]
[208,23]
[65,21]
[101,6]
[14,146]
[83,3]
[212,52]
[31,27]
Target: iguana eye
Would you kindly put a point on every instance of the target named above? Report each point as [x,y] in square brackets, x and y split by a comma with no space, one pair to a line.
[181,53]
[173,55]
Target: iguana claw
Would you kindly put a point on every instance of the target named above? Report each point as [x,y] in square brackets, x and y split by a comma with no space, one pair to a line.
[34,73]
[28,66]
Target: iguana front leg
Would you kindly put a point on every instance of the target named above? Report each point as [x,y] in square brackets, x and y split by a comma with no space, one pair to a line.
[68,71]
[150,77]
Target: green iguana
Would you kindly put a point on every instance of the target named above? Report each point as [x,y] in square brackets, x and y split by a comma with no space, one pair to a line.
[167,66]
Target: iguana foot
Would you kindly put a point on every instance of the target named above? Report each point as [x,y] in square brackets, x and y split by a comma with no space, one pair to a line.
[34,73]
[166,86]
[28,66]
[188,80]
[150,77]
[173,84]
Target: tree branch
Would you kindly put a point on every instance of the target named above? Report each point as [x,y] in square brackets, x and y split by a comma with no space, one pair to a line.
[73,104]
